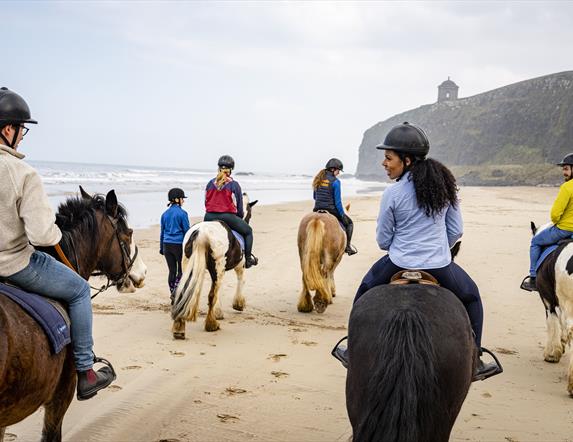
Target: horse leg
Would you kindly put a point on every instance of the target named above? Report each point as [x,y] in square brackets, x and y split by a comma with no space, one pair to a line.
[239,301]
[553,347]
[60,401]
[304,300]
[211,323]
[2,431]
[332,285]
[322,299]
[178,329]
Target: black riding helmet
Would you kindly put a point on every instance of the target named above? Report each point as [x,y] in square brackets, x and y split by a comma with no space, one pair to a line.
[13,110]
[408,139]
[567,160]
[175,193]
[334,163]
[226,161]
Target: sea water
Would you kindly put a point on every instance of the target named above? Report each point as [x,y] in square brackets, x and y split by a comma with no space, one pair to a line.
[143,190]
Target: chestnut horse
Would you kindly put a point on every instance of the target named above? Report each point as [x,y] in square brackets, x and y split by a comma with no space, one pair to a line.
[208,246]
[95,236]
[321,243]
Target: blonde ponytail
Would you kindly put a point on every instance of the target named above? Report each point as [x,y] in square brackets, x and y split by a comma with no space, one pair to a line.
[221,178]
[319,178]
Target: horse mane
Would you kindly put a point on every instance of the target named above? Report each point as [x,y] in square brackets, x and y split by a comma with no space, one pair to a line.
[404,387]
[77,217]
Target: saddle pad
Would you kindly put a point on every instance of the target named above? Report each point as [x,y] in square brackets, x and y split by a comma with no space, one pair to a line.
[44,313]
[544,254]
[240,239]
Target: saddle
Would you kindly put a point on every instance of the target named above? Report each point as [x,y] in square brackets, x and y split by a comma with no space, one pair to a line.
[48,313]
[404,277]
[326,211]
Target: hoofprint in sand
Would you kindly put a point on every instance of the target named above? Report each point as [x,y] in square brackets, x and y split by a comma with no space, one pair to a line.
[268,375]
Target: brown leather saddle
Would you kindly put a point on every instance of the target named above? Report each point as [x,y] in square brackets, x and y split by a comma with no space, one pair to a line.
[413,277]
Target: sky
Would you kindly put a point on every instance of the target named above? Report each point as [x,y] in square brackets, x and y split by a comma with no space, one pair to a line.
[280,86]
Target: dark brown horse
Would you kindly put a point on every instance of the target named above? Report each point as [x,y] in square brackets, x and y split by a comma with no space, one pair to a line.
[411,360]
[95,237]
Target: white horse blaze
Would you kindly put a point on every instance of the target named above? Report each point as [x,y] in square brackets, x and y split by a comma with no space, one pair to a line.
[564,292]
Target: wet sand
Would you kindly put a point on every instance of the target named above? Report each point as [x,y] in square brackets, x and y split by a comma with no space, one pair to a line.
[268,375]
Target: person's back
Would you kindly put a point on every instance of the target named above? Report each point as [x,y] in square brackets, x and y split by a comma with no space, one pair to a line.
[224,202]
[327,197]
[174,226]
[27,220]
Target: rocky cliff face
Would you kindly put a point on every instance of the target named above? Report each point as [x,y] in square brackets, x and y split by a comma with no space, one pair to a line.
[527,124]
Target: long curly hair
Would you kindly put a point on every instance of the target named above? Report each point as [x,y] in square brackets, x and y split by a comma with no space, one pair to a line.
[434,183]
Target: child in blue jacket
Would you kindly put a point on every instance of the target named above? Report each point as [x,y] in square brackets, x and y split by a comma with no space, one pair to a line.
[174,226]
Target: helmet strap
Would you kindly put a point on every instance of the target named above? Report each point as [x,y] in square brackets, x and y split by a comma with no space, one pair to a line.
[14,138]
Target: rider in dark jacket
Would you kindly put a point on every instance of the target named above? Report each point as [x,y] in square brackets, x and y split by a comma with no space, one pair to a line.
[327,197]
[224,202]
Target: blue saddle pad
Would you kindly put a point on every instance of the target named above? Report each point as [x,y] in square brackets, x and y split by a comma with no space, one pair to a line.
[45,314]
[544,254]
[240,239]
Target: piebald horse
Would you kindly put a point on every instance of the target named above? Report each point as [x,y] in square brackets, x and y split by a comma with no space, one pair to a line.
[208,246]
[321,244]
[555,286]
[95,236]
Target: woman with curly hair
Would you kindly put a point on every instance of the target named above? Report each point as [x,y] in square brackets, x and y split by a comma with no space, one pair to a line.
[419,221]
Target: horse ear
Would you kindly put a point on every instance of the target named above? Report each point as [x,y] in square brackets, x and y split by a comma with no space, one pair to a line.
[533,228]
[253,203]
[84,194]
[111,203]
[347,207]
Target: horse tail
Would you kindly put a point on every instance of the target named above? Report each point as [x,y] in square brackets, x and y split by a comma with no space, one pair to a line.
[312,253]
[186,302]
[403,384]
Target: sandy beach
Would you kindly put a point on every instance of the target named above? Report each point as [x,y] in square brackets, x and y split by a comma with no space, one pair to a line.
[267,375]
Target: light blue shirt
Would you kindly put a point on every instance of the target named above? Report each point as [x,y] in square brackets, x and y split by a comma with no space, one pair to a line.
[413,239]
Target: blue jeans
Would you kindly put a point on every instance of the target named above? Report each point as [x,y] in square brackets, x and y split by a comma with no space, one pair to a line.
[48,277]
[452,277]
[546,237]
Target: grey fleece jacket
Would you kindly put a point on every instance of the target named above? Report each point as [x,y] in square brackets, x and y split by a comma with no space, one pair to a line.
[26,217]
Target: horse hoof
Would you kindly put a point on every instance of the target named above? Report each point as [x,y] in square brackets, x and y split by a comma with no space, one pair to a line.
[212,327]
[552,359]
[305,309]
[320,306]
[179,335]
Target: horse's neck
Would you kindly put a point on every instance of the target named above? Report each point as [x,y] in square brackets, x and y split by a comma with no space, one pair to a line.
[78,253]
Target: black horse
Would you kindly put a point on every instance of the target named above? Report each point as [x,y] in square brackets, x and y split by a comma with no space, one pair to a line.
[411,360]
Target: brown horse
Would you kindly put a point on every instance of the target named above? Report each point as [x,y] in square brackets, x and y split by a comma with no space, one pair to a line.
[95,237]
[321,243]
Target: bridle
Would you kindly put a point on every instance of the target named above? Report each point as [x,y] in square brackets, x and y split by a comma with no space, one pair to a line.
[127,260]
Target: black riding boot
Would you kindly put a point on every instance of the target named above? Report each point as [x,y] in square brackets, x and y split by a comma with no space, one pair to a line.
[91,381]
[350,250]
[483,370]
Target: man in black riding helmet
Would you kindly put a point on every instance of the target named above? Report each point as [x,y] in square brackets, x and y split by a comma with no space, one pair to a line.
[27,220]
[562,219]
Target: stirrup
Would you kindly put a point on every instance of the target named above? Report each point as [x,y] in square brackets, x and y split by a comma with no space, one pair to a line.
[106,363]
[341,353]
[492,368]
[350,250]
